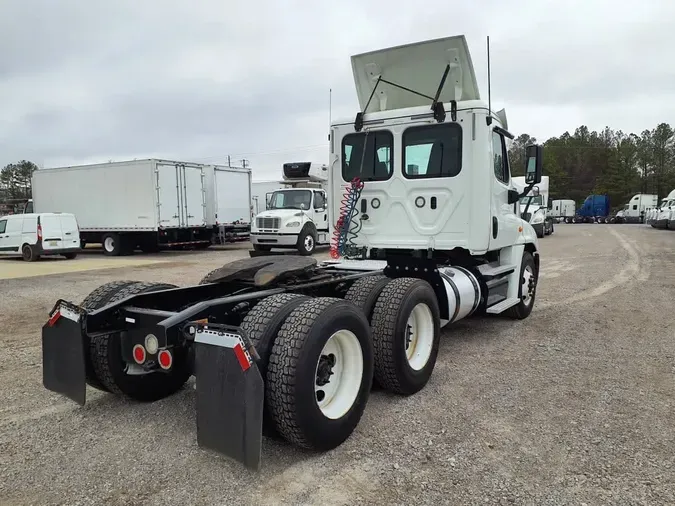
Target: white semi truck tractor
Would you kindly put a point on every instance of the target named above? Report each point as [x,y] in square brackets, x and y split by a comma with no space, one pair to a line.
[297,215]
[427,231]
[534,206]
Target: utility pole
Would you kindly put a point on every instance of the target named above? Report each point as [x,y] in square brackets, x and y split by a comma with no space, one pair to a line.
[228,161]
[244,162]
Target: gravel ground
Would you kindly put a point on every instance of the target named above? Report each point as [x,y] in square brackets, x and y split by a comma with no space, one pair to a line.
[573,405]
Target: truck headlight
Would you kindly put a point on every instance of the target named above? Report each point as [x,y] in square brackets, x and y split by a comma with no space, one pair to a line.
[537,218]
[291,224]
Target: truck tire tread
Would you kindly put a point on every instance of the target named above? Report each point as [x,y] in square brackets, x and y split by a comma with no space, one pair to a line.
[98,298]
[296,417]
[150,387]
[364,293]
[261,325]
[392,370]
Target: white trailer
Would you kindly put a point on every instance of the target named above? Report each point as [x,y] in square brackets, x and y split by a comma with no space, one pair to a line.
[228,202]
[562,210]
[261,192]
[427,234]
[144,204]
[662,216]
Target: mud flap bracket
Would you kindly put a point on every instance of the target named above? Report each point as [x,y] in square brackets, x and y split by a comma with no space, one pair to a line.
[230,394]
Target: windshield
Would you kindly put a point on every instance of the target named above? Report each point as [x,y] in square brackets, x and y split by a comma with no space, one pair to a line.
[536,201]
[291,199]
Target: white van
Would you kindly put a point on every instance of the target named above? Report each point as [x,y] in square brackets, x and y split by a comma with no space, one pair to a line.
[31,236]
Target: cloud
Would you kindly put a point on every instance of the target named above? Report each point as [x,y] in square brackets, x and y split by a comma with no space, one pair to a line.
[91,81]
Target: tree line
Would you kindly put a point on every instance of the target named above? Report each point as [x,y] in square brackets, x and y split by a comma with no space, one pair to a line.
[15,180]
[586,162]
[609,162]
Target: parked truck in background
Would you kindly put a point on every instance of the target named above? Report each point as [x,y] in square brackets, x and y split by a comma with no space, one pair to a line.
[297,214]
[562,210]
[664,214]
[228,202]
[595,209]
[261,193]
[636,208]
[139,204]
[534,205]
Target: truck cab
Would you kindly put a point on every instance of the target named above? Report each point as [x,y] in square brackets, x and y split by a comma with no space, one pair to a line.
[663,213]
[636,209]
[296,215]
[534,207]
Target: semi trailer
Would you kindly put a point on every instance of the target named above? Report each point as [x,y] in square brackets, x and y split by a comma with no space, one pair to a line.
[425,235]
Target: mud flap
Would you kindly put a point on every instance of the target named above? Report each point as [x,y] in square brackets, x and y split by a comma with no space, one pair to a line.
[63,361]
[230,394]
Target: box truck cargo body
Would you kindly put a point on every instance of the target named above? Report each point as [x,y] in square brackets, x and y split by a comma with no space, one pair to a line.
[144,204]
[228,202]
[261,194]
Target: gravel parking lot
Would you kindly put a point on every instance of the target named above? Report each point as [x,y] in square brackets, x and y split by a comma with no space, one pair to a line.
[573,405]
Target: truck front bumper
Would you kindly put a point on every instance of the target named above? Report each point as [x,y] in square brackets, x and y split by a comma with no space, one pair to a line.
[229,393]
[277,240]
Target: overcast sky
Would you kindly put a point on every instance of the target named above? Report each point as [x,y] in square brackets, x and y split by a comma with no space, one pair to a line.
[88,81]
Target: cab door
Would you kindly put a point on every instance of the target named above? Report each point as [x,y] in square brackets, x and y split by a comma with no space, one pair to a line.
[504,221]
[320,211]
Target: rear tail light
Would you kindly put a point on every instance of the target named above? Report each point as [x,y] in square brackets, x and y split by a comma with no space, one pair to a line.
[165,359]
[139,354]
[39,232]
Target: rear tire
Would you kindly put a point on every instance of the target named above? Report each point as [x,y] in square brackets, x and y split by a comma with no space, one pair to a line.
[528,281]
[365,291]
[110,367]
[29,253]
[112,245]
[261,325]
[320,373]
[405,352]
[95,300]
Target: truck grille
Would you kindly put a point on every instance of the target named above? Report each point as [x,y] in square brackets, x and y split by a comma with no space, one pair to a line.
[268,223]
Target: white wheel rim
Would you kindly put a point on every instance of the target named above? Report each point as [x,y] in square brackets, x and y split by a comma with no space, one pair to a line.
[528,275]
[309,243]
[336,392]
[109,244]
[419,336]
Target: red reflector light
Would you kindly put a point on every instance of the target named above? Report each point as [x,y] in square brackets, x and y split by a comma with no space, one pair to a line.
[241,357]
[165,359]
[53,319]
[139,354]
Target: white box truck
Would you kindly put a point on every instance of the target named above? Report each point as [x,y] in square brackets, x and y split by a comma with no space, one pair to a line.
[261,192]
[144,204]
[228,202]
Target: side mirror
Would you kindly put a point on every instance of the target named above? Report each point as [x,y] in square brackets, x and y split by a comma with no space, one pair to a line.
[514,196]
[534,160]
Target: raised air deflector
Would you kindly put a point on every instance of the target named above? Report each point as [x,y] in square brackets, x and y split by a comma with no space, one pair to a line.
[419,67]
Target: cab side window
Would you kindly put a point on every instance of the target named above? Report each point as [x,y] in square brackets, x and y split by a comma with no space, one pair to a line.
[3,226]
[319,200]
[500,158]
